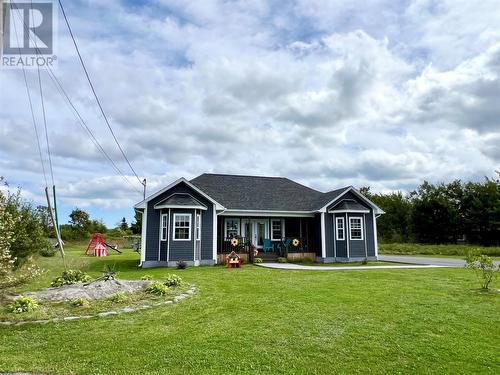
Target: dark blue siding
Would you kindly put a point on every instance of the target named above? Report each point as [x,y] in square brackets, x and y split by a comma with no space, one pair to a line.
[370,237]
[329,235]
[341,250]
[178,249]
[181,250]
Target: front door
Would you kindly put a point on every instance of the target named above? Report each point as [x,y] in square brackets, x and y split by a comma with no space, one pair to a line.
[256,230]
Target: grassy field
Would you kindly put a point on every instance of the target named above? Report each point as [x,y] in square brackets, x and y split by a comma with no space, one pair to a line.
[424,249]
[256,320]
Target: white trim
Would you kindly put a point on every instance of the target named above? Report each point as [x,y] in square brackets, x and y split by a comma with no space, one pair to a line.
[225,226]
[159,239]
[142,204]
[162,215]
[347,225]
[180,206]
[375,233]
[360,218]
[190,226]
[194,237]
[348,211]
[323,236]
[334,227]
[168,234]
[268,213]
[283,231]
[143,234]
[271,229]
[361,196]
[337,218]
[214,234]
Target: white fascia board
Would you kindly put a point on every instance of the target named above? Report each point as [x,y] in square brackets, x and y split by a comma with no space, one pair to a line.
[180,206]
[376,208]
[263,213]
[349,211]
[143,203]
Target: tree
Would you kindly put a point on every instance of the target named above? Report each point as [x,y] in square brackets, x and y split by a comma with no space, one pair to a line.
[136,226]
[79,219]
[123,224]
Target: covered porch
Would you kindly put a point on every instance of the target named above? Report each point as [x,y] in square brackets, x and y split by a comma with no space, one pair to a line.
[267,237]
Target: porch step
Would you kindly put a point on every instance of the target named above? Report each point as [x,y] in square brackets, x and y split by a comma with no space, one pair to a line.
[267,257]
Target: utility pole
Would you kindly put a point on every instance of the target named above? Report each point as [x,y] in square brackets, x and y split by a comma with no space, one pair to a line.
[58,234]
[144,185]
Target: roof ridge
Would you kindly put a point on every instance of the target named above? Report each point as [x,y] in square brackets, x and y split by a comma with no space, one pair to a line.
[239,175]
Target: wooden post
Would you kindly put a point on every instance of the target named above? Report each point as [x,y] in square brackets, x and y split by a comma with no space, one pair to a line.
[59,241]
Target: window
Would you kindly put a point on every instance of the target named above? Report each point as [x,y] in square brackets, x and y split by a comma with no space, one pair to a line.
[198,227]
[164,222]
[356,228]
[276,232]
[340,229]
[232,227]
[182,227]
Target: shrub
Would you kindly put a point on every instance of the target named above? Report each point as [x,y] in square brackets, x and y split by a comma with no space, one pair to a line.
[146,277]
[181,265]
[22,304]
[257,260]
[48,252]
[79,302]
[119,297]
[364,261]
[70,277]
[173,281]
[281,260]
[483,266]
[157,288]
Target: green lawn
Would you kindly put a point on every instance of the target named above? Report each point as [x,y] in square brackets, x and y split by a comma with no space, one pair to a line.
[256,320]
[429,249]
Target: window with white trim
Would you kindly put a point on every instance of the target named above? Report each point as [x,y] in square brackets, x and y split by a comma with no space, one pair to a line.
[164,223]
[198,227]
[182,227]
[232,227]
[276,230]
[340,229]
[356,228]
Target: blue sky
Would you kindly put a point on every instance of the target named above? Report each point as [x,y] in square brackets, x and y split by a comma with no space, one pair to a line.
[329,93]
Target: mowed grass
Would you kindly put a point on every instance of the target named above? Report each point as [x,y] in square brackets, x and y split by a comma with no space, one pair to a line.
[456,250]
[256,320]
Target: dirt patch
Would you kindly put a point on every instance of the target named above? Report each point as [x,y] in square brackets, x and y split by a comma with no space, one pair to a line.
[95,290]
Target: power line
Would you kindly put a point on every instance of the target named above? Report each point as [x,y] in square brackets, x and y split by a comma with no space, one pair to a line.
[80,121]
[95,93]
[31,104]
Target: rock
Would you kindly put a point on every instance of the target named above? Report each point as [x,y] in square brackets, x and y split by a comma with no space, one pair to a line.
[107,313]
[71,318]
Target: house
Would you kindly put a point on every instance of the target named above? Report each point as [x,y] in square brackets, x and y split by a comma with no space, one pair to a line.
[202,220]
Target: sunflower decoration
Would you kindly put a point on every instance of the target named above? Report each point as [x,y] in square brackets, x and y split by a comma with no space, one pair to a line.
[234,242]
[295,242]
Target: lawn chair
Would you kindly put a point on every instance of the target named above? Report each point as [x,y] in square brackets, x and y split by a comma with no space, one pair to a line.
[267,245]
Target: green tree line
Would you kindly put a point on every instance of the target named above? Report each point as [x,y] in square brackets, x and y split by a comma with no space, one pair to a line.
[441,213]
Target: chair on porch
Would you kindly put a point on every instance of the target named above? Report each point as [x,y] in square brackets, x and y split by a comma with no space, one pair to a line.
[267,245]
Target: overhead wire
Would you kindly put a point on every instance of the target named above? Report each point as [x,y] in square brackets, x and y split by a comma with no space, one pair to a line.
[95,93]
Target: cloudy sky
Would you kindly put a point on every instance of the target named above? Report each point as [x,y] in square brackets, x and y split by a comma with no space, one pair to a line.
[329,93]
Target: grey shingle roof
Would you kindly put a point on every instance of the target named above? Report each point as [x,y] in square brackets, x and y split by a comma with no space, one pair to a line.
[262,193]
[180,199]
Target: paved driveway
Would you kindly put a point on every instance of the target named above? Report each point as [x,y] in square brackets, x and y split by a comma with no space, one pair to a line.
[449,262]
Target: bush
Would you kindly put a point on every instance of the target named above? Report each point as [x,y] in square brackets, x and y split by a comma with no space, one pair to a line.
[70,277]
[173,281]
[281,260]
[257,260]
[181,265]
[483,266]
[22,304]
[146,277]
[48,252]
[79,302]
[364,261]
[157,288]
[119,297]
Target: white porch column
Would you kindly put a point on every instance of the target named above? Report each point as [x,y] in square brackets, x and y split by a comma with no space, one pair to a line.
[323,236]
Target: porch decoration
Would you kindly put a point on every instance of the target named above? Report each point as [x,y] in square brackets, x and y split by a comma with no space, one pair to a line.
[233,260]
[295,242]
[234,242]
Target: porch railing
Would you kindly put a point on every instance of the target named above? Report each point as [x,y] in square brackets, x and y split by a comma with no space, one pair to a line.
[225,245]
